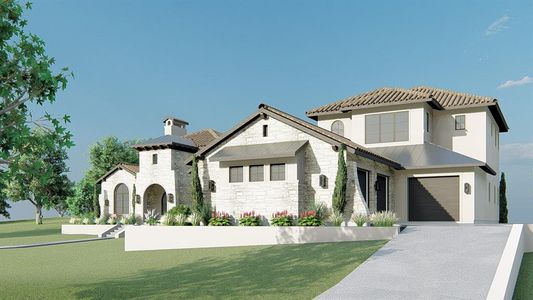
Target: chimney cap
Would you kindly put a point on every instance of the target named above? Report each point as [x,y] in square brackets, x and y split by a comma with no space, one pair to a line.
[175,121]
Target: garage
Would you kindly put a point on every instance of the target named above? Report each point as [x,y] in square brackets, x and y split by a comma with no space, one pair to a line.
[434,198]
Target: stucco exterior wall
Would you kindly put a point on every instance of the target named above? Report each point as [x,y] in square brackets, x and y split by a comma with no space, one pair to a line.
[108,190]
[487,203]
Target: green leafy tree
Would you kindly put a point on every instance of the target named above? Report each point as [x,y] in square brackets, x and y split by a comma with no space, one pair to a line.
[40,174]
[103,156]
[503,200]
[197,194]
[339,193]
[27,79]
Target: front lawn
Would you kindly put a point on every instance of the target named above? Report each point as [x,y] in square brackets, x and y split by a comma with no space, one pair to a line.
[524,284]
[27,232]
[102,270]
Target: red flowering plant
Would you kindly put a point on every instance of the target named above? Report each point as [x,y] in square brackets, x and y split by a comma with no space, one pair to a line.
[220,218]
[309,218]
[249,218]
[282,218]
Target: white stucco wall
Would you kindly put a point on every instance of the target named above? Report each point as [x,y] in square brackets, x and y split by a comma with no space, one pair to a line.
[108,190]
[487,208]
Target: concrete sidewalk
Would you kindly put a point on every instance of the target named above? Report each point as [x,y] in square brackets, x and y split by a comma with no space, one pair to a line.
[429,262]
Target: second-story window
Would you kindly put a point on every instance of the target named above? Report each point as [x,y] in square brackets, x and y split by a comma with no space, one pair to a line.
[154,159]
[337,127]
[460,122]
[387,127]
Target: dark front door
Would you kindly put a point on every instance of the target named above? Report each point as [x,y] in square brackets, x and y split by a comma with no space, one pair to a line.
[164,204]
[362,176]
[381,191]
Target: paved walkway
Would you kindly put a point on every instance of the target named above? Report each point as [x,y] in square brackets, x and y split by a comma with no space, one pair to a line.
[55,243]
[429,262]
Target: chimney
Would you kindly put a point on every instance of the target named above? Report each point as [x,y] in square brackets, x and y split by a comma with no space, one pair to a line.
[175,126]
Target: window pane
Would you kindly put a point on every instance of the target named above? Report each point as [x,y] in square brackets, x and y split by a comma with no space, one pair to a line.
[235,174]
[338,127]
[402,126]
[387,128]
[256,173]
[154,159]
[460,122]
[277,172]
[372,129]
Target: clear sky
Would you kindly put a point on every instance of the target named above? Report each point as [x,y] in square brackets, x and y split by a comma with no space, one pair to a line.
[213,62]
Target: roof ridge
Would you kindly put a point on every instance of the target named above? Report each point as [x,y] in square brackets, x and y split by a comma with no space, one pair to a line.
[451,91]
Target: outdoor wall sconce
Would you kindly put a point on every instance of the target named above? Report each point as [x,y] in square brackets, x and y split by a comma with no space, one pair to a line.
[323,181]
[212,186]
[335,148]
[170,198]
[138,199]
[106,202]
[467,188]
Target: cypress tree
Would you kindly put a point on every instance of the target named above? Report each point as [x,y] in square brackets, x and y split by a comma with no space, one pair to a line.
[503,200]
[197,195]
[339,193]
[133,193]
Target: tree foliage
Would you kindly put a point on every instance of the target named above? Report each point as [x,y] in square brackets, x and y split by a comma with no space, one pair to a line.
[39,173]
[197,194]
[503,200]
[339,193]
[27,78]
[103,156]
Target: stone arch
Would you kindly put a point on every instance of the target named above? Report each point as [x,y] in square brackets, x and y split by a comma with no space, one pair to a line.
[121,199]
[155,198]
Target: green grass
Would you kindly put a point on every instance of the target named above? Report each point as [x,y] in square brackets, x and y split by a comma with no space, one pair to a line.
[524,284]
[102,270]
[27,232]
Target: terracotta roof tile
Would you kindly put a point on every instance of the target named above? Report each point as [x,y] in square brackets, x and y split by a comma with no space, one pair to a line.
[203,137]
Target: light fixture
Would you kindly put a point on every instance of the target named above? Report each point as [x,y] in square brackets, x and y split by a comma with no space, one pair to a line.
[170,198]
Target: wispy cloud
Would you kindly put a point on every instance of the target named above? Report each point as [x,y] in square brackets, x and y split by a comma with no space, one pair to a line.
[511,83]
[497,26]
[516,152]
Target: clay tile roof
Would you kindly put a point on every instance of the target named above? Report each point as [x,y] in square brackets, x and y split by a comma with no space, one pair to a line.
[449,99]
[203,137]
[131,168]
[378,97]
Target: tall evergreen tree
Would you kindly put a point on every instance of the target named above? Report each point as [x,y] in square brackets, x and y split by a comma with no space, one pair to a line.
[503,200]
[339,193]
[133,200]
[197,194]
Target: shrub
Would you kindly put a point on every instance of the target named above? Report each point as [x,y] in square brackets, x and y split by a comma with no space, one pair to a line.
[360,219]
[75,220]
[321,210]
[180,209]
[131,220]
[151,217]
[383,219]
[112,220]
[88,218]
[220,219]
[309,218]
[249,219]
[195,219]
[103,219]
[168,219]
[282,218]
[180,220]
[205,213]
[336,218]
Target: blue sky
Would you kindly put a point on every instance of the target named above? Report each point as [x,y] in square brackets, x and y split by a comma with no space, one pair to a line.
[213,62]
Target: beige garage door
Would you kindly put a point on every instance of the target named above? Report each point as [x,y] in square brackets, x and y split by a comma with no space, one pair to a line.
[434,198]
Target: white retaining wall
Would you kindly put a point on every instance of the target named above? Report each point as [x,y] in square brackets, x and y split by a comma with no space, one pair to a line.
[140,238]
[520,241]
[85,229]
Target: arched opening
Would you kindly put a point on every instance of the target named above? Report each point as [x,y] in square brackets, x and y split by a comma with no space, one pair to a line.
[155,198]
[337,127]
[122,200]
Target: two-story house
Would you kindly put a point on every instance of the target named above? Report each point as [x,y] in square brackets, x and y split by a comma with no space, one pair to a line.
[427,154]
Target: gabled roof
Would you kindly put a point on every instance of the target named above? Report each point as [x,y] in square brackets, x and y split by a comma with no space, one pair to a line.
[133,169]
[313,130]
[167,141]
[430,156]
[440,99]
[203,137]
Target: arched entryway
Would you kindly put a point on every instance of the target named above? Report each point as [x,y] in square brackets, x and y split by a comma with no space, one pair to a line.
[122,200]
[155,198]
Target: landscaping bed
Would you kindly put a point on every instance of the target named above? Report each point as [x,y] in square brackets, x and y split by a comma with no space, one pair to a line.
[524,283]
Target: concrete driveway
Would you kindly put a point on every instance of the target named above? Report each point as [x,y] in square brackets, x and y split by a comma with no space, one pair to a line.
[429,262]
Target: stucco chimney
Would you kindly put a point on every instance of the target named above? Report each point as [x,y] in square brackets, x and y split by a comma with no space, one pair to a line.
[174,126]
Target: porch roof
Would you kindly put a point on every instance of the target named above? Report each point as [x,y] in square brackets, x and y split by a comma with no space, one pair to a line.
[258,151]
[428,155]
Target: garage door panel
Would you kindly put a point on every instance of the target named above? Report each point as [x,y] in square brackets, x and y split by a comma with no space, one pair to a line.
[434,199]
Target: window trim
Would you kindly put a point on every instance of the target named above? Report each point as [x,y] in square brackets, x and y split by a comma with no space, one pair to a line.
[457,123]
[250,173]
[284,172]
[394,114]
[242,174]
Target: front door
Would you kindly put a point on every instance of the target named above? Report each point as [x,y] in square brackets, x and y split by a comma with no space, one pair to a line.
[382,190]
[164,204]
[362,176]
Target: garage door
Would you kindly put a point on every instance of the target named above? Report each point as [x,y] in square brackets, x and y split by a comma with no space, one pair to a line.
[434,199]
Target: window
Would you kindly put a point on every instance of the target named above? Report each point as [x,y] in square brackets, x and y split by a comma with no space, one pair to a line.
[154,159]
[337,127]
[489,191]
[277,172]
[389,127]
[427,121]
[265,130]
[257,173]
[460,122]
[235,174]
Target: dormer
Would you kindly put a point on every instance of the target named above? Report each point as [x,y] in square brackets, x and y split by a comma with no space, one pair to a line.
[176,127]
